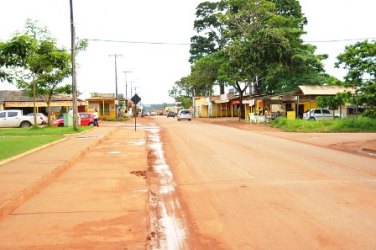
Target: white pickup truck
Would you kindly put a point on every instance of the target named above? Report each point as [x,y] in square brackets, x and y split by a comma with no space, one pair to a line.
[319,114]
[13,118]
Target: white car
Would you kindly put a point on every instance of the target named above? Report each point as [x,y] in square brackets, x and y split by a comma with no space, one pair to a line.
[319,114]
[184,114]
[41,118]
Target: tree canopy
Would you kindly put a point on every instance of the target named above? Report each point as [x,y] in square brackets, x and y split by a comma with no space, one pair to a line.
[360,62]
[253,41]
[33,62]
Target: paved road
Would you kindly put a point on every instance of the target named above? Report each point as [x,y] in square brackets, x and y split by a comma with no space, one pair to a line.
[248,190]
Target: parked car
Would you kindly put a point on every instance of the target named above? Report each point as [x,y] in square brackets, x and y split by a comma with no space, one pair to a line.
[14,118]
[184,114]
[171,114]
[42,119]
[86,119]
[319,114]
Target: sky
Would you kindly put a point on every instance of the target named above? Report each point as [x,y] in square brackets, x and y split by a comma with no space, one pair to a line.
[134,29]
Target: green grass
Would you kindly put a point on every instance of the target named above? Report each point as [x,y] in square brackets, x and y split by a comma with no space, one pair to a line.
[14,141]
[360,124]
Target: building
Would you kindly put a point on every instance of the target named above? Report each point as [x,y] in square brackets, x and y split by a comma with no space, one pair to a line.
[16,99]
[107,106]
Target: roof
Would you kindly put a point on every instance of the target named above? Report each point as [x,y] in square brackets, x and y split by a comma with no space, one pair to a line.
[323,90]
[21,96]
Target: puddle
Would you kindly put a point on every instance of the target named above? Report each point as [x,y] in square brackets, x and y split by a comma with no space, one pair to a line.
[167,224]
[86,137]
[114,152]
[137,143]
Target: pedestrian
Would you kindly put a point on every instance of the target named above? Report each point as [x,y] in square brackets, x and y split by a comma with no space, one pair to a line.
[95,114]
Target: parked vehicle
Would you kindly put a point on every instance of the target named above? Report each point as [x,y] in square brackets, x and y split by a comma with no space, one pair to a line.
[13,118]
[184,114]
[86,119]
[171,114]
[41,118]
[319,114]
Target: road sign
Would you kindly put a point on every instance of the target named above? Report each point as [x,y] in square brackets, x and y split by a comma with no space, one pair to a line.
[136,99]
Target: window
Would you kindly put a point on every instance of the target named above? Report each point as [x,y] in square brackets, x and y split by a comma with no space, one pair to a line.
[2,115]
[325,111]
[12,114]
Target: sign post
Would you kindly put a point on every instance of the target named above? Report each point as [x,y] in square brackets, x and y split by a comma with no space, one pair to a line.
[135,99]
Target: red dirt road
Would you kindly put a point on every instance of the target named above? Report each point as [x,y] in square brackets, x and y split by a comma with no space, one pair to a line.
[206,187]
[250,190]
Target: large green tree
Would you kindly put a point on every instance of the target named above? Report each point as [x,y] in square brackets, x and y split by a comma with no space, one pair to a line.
[360,62]
[260,41]
[210,37]
[35,63]
[266,43]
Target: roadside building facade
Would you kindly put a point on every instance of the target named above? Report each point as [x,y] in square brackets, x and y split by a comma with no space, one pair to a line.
[107,106]
[15,99]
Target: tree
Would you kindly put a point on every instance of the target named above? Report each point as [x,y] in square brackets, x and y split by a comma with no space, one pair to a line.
[210,36]
[360,61]
[37,64]
[266,39]
[332,102]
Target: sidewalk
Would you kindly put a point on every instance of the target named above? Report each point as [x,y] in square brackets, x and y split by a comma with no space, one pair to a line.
[27,174]
[86,192]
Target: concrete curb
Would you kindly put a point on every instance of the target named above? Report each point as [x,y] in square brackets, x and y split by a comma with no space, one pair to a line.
[13,203]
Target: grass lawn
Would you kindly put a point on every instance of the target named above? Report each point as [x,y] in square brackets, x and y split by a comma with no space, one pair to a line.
[360,124]
[14,141]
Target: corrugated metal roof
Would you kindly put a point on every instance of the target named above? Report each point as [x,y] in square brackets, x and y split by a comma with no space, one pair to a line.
[324,90]
[21,96]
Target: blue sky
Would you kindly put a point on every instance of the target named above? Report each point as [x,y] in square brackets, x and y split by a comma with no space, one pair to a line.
[155,68]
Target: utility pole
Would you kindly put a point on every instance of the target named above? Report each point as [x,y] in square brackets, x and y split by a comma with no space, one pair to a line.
[131,90]
[116,85]
[126,83]
[74,78]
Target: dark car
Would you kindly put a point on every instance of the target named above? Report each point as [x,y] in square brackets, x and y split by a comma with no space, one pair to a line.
[171,114]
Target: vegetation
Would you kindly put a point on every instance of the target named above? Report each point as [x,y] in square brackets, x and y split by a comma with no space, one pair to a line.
[34,63]
[353,124]
[360,61]
[15,141]
[251,43]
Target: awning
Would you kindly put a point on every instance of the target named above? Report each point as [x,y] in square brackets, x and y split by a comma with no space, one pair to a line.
[250,102]
[221,101]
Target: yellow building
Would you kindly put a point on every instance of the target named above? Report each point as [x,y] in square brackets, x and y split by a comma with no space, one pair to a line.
[107,106]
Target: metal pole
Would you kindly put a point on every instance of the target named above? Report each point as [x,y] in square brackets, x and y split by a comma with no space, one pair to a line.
[126,83]
[74,79]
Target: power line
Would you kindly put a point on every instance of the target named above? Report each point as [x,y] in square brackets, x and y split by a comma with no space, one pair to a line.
[135,42]
[188,44]
[341,40]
